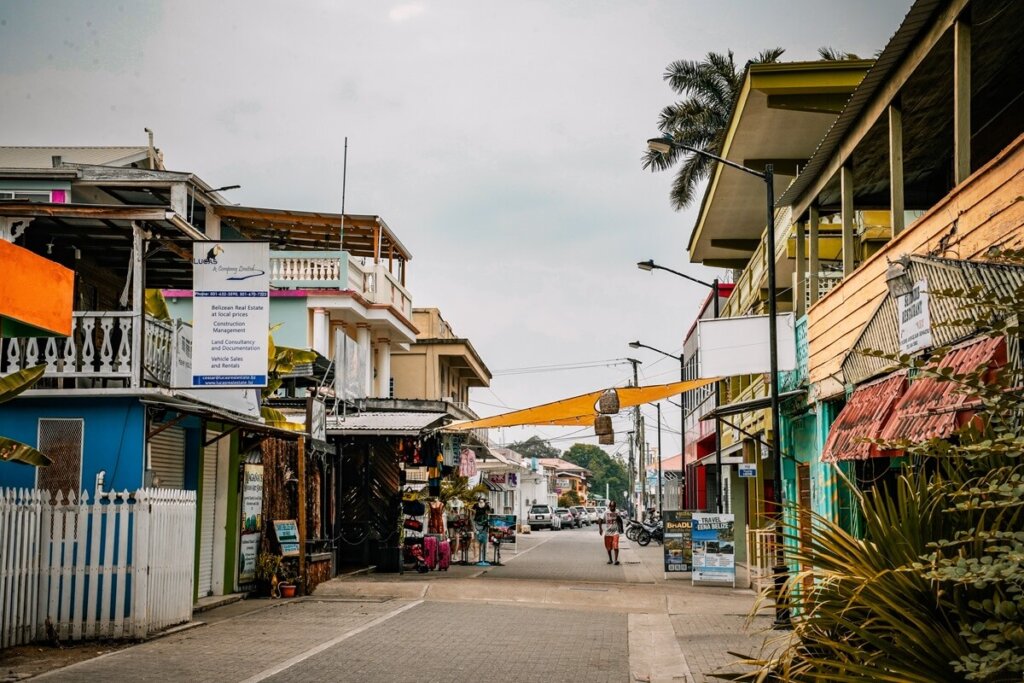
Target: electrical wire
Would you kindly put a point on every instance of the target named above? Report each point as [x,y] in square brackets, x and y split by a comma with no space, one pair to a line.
[582,365]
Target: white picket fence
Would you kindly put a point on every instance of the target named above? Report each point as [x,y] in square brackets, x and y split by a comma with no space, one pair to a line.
[120,567]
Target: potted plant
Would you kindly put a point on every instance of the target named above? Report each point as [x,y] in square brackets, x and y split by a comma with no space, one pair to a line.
[268,566]
[287,587]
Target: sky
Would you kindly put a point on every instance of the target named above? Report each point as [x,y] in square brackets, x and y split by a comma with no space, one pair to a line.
[500,141]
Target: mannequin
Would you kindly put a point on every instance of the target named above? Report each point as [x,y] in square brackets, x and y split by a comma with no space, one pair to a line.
[481,523]
[435,520]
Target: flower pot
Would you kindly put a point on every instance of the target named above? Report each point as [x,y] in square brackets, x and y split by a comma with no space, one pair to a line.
[287,590]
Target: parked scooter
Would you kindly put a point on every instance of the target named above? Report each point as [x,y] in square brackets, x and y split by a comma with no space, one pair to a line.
[633,528]
[650,531]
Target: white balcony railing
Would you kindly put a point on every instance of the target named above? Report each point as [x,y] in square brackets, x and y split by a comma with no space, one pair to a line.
[321,269]
[99,348]
[388,290]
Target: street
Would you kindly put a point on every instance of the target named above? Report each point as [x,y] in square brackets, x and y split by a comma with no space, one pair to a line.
[555,611]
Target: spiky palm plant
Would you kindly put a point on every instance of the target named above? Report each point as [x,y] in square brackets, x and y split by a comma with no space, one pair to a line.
[709,88]
[10,386]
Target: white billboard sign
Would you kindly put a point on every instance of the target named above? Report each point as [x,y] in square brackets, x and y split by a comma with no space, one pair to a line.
[231,314]
[914,319]
[728,347]
[241,400]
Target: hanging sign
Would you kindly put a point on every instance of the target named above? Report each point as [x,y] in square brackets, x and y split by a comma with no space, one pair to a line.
[251,527]
[914,319]
[231,313]
[714,548]
[503,528]
[678,544]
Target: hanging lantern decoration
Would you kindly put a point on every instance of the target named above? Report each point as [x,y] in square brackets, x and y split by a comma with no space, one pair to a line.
[608,404]
[606,439]
[603,425]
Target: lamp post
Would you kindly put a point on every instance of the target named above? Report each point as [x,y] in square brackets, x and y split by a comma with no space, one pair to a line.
[664,145]
[649,265]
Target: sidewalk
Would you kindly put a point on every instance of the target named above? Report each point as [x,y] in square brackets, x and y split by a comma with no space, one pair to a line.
[709,621]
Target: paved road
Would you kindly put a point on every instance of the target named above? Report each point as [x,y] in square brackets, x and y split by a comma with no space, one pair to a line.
[554,612]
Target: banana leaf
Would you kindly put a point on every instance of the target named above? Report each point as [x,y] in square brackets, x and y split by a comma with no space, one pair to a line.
[275,418]
[13,384]
[13,451]
[156,305]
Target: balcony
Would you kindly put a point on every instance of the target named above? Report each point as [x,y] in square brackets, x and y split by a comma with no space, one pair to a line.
[339,270]
[99,352]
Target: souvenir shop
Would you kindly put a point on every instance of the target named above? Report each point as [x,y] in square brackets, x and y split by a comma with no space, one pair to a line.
[447,517]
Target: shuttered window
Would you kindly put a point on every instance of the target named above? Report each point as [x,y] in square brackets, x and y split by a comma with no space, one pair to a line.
[167,458]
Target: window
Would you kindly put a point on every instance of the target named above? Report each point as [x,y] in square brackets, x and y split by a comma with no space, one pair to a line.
[26,195]
[61,440]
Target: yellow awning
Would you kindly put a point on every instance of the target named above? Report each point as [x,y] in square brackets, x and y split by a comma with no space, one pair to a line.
[579,410]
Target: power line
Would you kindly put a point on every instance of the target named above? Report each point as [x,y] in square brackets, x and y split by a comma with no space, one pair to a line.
[582,365]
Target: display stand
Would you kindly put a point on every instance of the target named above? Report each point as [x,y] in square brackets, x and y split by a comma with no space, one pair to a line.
[496,542]
[464,538]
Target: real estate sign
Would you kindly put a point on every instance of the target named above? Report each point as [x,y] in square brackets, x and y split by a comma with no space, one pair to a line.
[251,527]
[231,313]
[714,548]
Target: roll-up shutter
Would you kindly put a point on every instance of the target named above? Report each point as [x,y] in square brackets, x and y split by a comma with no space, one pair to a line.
[207,507]
[167,458]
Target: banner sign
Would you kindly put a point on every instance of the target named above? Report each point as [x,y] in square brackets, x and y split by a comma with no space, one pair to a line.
[678,543]
[914,319]
[239,400]
[251,528]
[231,313]
[714,548]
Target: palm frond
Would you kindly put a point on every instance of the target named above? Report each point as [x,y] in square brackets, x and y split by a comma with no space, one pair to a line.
[13,451]
[15,383]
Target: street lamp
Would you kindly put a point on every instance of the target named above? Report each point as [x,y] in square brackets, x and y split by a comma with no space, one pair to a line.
[649,265]
[664,145]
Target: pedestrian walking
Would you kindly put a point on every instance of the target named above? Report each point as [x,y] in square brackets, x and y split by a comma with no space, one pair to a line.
[609,526]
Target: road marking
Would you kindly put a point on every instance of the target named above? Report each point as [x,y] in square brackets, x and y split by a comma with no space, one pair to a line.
[518,555]
[288,663]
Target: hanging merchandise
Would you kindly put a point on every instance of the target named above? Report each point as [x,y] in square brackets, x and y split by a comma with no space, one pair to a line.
[435,523]
[467,463]
[413,507]
[413,524]
[608,404]
[603,425]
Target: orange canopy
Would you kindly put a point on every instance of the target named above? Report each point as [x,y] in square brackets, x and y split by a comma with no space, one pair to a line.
[36,296]
[579,410]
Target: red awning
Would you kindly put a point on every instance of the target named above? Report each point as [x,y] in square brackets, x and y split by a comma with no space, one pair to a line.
[863,417]
[934,408]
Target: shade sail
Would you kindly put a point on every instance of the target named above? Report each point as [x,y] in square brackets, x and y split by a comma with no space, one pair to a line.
[579,410]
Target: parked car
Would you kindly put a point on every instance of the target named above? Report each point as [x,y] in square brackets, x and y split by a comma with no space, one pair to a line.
[543,517]
[581,513]
[600,511]
[592,513]
[567,517]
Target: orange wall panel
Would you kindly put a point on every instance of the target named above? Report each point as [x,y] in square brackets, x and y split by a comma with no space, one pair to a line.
[35,291]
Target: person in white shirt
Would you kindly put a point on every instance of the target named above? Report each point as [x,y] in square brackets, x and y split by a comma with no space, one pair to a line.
[609,526]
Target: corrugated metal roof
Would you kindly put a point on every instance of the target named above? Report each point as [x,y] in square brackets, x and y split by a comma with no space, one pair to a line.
[397,423]
[863,417]
[882,331]
[917,19]
[933,408]
[42,157]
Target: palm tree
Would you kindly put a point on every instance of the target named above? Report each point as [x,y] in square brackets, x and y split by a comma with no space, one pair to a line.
[831,54]
[709,87]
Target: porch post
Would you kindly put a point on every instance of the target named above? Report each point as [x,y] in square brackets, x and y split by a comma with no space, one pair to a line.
[138,305]
[365,351]
[812,253]
[384,367]
[846,185]
[961,100]
[800,287]
[896,169]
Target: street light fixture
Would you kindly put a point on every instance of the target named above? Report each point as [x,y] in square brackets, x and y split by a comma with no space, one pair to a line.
[664,145]
[649,265]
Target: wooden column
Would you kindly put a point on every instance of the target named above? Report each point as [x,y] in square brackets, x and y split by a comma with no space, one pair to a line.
[812,253]
[302,512]
[800,288]
[846,184]
[138,306]
[896,206]
[961,100]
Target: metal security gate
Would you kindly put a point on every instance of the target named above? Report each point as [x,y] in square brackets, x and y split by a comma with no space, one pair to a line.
[167,458]
[207,508]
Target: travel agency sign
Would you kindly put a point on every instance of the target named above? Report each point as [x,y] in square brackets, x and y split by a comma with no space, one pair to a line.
[231,314]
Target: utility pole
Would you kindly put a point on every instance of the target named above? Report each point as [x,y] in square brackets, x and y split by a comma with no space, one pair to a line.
[638,435]
[632,485]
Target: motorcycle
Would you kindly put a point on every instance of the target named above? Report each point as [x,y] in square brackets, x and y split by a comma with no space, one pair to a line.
[648,532]
[633,528]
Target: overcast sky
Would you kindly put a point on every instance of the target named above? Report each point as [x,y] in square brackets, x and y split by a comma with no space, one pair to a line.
[501,141]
